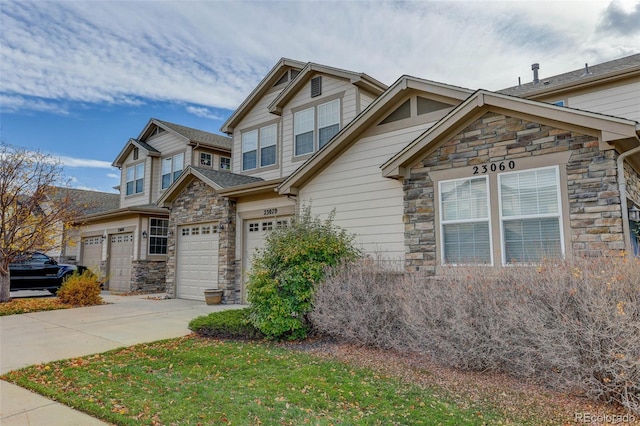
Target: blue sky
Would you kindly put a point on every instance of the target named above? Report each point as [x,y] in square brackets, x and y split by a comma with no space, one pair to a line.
[79,78]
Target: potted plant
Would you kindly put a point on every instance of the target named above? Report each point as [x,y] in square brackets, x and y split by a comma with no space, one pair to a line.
[213,296]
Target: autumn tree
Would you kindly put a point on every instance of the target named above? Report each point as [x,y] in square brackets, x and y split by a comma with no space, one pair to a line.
[34,206]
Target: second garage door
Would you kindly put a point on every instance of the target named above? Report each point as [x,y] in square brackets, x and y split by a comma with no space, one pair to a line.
[92,253]
[120,255]
[197,260]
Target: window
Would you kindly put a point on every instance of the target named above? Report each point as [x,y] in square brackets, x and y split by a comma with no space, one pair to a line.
[304,126]
[250,150]
[225,163]
[263,141]
[328,121]
[268,139]
[171,169]
[205,159]
[135,179]
[158,232]
[530,215]
[465,221]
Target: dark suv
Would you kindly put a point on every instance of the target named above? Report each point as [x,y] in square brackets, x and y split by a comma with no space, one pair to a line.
[37,271]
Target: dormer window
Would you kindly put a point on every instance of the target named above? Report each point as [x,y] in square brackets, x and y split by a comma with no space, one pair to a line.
[171,169]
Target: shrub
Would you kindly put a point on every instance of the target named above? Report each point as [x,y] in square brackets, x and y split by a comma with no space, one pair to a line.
[284,274]
[229,324]
[81,290]
[571,325]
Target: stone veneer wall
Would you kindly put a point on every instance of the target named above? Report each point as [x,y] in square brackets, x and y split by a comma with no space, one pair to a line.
[148,276]
[633,183]
[594,199]
[198,202]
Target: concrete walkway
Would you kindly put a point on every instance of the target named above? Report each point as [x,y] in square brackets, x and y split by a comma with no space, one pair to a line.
[42,337]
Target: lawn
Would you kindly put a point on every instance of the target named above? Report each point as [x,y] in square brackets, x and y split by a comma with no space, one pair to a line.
[26,305]
[195,380]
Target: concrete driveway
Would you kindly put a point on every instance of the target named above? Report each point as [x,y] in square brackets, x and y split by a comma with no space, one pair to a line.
[41,337]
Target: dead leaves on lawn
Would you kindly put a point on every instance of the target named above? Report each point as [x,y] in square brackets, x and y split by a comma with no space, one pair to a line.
[26,305]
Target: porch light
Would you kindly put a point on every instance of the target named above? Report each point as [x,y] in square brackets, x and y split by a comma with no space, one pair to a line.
[144,234]
[634,213]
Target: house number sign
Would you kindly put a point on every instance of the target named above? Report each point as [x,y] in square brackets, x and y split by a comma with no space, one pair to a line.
[494,167]
[270,212]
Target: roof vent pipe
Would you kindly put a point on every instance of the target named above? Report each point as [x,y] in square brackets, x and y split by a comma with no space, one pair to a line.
[586,69]
[535,68]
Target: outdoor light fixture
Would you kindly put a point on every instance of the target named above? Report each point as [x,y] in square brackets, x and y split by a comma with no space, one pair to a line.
[634,213]
[144,234]
[103,236]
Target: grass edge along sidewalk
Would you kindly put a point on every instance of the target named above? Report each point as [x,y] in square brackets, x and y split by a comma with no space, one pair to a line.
[193,380]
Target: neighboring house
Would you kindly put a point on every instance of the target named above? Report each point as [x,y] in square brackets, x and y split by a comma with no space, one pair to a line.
[128,244]
[293,113]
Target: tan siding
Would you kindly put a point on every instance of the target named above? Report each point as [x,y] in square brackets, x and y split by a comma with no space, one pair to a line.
[365,203]
[621,101]
[166,142]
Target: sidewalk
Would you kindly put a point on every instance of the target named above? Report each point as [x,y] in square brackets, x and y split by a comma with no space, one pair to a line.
[42,337]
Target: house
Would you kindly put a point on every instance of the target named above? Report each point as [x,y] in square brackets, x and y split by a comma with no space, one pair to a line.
[128,244]
[421,172]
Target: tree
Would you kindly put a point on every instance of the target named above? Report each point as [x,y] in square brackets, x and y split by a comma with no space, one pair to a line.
[34,206]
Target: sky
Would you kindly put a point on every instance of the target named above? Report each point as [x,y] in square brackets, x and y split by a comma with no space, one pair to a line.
[79,78]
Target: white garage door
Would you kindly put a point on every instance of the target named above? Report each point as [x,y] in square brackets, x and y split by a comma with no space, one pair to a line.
[197,260]
[92,253]
[255,232]
[120,255]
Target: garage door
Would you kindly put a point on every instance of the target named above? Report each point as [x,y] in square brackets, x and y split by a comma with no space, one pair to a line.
[92,253]
[120,255]
[255,232]
[197,260]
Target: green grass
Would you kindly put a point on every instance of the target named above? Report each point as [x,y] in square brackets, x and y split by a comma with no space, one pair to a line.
[195,380]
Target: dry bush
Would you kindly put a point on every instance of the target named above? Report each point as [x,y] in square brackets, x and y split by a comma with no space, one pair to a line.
[81,290]
[360,302]
[572,325]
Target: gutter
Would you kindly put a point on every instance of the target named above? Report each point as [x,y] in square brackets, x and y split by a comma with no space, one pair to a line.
[626,229]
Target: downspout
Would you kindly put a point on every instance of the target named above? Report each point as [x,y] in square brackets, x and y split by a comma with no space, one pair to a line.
[622,183]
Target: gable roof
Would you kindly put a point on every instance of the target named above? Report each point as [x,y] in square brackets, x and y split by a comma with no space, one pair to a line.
[376,111]
[194,136]
[606,128]
[190,135]
[265,84]
[216,179]
[596,74]
[88,202]
[361,80]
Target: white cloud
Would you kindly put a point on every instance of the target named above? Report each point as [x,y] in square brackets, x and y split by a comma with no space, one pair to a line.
[83,162]
[204,112]
[212,54]
[113,176]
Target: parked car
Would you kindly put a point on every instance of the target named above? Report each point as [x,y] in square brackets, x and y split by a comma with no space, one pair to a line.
[37,271]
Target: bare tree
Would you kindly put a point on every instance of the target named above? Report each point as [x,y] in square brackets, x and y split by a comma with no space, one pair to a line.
[34,206]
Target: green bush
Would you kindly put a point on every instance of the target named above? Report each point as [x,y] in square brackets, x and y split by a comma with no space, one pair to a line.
[284,274]
[230,324]
[81,290]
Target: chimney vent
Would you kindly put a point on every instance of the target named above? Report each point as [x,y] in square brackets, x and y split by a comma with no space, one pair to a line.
[535,68]
[586,70]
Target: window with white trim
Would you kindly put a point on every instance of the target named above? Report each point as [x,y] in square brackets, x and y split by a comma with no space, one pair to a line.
[464,221]
[135,179]
[158,235]
[250,150]
[268,140]
[260,147]
[530,215]
[205,159]
[327,117]
[171,169]
[225,163]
